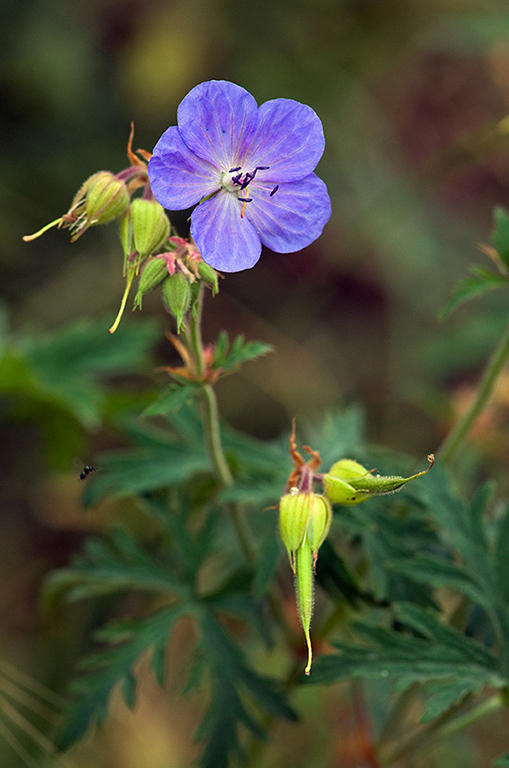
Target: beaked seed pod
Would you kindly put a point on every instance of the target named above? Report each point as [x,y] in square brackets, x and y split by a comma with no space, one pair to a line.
[304,522]
[348,482]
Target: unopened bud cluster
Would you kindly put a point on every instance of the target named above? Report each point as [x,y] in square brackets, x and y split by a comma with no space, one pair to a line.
[152,254]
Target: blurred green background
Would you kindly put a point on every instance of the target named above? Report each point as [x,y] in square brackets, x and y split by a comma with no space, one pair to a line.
[411,95]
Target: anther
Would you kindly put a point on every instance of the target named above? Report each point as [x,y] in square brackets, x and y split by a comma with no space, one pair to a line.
[232,170]
[274,190]
[258,168]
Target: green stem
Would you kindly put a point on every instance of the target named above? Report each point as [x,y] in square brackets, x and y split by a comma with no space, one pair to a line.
[447,724]
[454,439]
[211,430]
[398,715]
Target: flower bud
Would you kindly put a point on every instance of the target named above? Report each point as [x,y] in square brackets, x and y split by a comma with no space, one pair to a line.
[209,275]
[348,482]
[150,225]
[303,514]
[154,271]
[177,296]
[99,200]
[106,198]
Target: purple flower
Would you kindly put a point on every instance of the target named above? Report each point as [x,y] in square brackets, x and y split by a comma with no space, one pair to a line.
[250,169]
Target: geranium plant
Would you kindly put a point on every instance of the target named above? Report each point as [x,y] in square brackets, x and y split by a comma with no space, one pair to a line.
[377,560]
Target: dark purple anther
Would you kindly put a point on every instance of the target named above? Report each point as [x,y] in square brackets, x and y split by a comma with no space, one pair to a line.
[258,168]
[246,199]
[236,179]
[232,170]
[274,190]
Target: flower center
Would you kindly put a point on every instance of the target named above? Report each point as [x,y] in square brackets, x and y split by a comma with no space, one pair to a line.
[235,180]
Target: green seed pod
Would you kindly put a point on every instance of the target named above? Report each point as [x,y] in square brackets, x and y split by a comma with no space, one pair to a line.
[304,523]
[304,587]
[348,482]
[150,225]
[177,296]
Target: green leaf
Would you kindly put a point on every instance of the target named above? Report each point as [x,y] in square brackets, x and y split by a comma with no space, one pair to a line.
[501,559]
[386,538]
[481,282]
[429,569]
[231,680]
[70,363]
[500,233]
[502,762]
[333,575]
[144,470]
[127,641]
[427,623]
[266,566]
[109,567]
[173,399]
[229,359]
[339,434]
[463,526]
[439,653]
[443,695]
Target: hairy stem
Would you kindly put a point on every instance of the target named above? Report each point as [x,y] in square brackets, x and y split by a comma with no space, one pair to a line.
[454,439]
[211,430]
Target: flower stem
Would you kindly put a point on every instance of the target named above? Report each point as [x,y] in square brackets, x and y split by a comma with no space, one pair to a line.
[454,439]
[211,430]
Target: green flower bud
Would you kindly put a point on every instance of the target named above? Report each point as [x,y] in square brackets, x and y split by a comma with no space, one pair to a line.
[209,275]
[294,510]
[154,271]
[106,198]
[177,296]
[304,523]
[348,482]
[150,225]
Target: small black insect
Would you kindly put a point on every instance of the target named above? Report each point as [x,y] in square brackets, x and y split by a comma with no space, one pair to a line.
[87,469]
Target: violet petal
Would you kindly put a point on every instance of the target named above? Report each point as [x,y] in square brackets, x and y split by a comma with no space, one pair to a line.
[178,177]
[216,119]
[226,241]
[288,138]
[293,217]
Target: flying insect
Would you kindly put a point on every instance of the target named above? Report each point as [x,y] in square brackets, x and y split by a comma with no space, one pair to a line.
[87,469]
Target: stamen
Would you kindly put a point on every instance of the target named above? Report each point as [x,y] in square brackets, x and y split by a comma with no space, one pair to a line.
[274,190]
[232,170]
[247,180]
[236,179]
[245,201]
[259,168]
